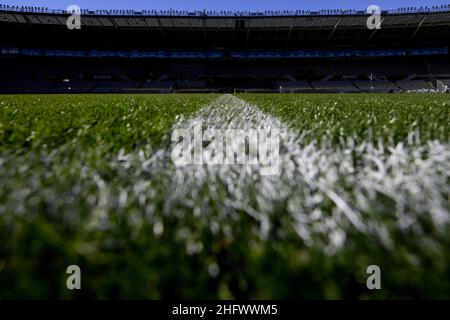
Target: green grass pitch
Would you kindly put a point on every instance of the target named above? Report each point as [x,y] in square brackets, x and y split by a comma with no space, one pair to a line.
[79,184]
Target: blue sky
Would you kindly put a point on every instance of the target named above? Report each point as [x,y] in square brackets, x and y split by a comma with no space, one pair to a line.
[226,4]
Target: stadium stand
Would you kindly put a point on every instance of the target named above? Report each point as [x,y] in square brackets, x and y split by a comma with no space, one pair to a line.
[415,85]
[158,86]
[376,86]
[111,86]
[335,86]
[73,87]
[294,86]
[205,51]
[26,86]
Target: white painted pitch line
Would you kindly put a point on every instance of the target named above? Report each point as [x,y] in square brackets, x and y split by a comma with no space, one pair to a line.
[414,178]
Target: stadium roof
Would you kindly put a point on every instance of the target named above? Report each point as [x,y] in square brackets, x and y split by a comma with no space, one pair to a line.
[219,5]
[227,13]
[200,30]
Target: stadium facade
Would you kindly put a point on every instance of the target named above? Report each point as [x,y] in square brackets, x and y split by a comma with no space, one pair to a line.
[180,51]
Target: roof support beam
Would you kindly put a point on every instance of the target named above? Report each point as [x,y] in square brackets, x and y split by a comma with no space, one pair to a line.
[205,35]
[290,30]
[374,31]
[332,31]
[418,27]
[161,28]
[247,36]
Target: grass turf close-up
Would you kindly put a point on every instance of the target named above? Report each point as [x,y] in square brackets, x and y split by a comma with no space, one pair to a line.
[88,180]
